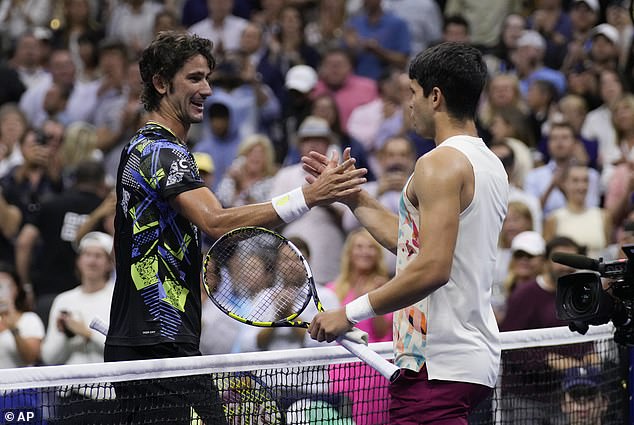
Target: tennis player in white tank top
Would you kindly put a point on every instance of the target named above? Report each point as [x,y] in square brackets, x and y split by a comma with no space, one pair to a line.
[446,339]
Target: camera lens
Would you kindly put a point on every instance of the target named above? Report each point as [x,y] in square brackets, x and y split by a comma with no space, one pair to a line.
[582,298]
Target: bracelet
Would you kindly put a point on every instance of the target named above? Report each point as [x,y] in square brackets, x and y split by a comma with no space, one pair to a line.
[359,309]
[291,205]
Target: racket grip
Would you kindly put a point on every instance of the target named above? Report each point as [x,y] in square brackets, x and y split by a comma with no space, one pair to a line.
[371,358]
[99,325]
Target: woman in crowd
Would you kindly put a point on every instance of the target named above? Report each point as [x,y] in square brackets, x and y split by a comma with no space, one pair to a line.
[21,331]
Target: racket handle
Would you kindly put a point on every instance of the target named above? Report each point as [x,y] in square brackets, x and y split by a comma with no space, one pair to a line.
[99,325]
[371,358]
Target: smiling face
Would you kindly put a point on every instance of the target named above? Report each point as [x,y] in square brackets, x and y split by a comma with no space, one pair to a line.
[185,96]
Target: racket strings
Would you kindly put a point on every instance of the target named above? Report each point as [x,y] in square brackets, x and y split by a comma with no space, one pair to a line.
[258,277]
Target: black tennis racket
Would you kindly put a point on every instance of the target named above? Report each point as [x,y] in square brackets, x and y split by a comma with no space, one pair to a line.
[259,278]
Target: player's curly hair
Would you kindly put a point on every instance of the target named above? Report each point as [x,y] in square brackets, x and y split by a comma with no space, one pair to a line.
[165,56]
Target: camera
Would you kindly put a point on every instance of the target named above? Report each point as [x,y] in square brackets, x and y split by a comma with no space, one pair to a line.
[582,301]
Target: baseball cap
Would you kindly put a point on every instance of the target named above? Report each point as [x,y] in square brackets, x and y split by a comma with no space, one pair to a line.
[531,38]
[204,162]
[314,126]
[581,376]
[592,4]
[302,78]
[98,240]
[530,242]
[608,31]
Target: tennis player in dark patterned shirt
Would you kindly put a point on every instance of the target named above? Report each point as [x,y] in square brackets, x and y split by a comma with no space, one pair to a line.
[162,205]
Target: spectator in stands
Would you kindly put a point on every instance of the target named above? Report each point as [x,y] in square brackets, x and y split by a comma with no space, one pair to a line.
[373,122]
[324,106]
[12,89]
[499,59]
[528,60]
[51,268]
[502,92]
[326,30]
[587,226]
[485,19]
[297,104]
[13,126]
[551,20]
[337,78]
[511,126]
[527,262]
[37,178]
[378,39]
[69,339]
[224,125]
[545,181]
[249,177]
[132,22]
[112,95]
[599,126]
[288,46]
[82,100]
[532,304]
[221,27]
[573,109]
[424,21]
[77,21]
[584,15]
[618,15]
[79,145]
[604,48]
[21,331]
[583,401]
[27,59]
[541,100]
[362,270]
[18,18]
[456,29]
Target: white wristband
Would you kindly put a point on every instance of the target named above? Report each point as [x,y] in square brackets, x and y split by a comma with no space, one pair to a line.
[359,309]
[291,205]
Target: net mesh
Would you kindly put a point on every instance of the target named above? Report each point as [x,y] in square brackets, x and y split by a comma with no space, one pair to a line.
[316,386]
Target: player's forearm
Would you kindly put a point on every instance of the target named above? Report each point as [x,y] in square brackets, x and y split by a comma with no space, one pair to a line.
[380,222]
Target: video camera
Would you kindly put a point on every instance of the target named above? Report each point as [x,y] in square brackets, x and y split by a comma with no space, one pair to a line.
[582,301]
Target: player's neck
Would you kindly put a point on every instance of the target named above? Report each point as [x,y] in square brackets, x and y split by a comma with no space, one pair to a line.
[447,127]
[173,125]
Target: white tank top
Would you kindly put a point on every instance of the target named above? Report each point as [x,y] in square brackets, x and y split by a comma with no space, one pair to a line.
[454,330]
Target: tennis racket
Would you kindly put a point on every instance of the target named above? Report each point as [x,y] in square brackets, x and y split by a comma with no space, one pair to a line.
[258,277]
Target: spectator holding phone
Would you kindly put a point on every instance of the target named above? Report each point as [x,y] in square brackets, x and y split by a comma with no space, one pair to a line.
[69,340]
[21,331]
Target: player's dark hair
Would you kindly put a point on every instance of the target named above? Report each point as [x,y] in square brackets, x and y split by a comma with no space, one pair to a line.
[165,56]
[458,70]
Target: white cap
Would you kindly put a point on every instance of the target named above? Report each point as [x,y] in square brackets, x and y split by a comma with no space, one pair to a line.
[302,78]
[530,242]
[592,4]
[608,31]
[96,239]
[531,38]
[314,127]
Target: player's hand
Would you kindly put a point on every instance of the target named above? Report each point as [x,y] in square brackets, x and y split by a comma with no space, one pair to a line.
[329,325]
[333,181]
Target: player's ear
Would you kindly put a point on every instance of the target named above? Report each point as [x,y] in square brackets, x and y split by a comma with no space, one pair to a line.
[160,85]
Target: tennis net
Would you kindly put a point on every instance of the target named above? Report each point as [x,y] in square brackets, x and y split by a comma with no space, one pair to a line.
[312,386]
